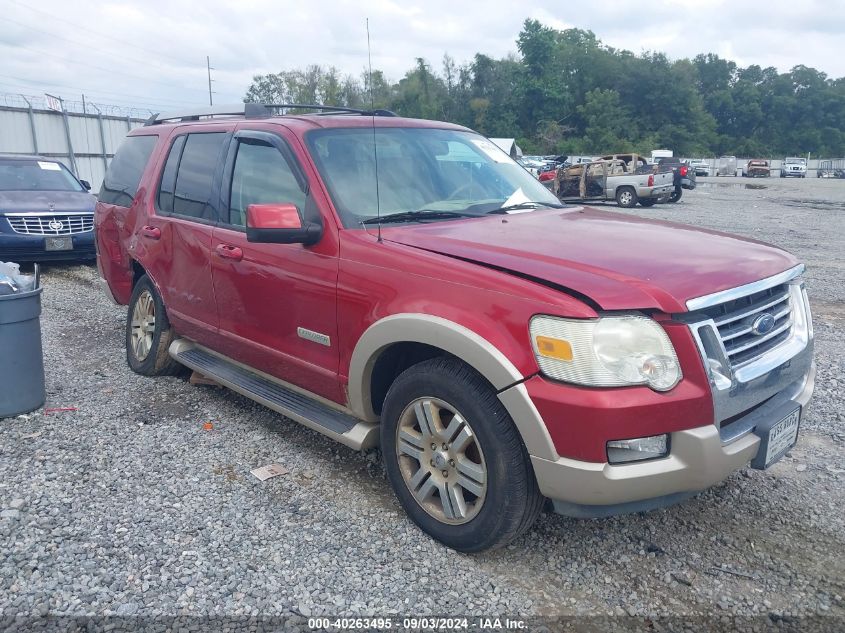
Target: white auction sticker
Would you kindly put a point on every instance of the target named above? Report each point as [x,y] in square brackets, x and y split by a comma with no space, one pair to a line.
[49,166]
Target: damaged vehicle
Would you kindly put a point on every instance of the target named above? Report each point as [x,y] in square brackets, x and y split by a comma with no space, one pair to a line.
[405,283]
[831,168]
[46,213]
[613,180]
[757,168]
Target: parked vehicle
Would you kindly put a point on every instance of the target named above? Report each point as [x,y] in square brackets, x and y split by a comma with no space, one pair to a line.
[658,154]
[684,177]
[727,166]
[757,168]
[46,213]
[793,167]
[831,168]
[624,182]
[501,348]
[700,166]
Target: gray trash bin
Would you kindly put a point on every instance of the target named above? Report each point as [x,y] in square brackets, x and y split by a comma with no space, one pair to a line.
[21,358]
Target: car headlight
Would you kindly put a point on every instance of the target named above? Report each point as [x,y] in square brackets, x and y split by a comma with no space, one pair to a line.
[611,351]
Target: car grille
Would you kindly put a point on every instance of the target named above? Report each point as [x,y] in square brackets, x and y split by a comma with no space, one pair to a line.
[735,320]
[52,224]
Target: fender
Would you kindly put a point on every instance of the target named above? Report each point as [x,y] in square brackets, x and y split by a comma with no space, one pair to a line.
[461,342]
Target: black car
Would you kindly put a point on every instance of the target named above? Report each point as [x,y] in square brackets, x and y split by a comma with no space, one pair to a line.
[46,213]
[684,176]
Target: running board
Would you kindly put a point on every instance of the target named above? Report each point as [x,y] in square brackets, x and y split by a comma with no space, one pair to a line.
[276,395]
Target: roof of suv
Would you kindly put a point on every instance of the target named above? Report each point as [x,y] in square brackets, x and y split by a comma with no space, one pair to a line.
[304,122]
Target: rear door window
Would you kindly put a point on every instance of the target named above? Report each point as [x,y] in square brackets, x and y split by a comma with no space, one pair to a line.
[124,173]
[168,178]
[197,167]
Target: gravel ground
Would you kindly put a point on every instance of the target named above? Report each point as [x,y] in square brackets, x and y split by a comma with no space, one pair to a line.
[128,507]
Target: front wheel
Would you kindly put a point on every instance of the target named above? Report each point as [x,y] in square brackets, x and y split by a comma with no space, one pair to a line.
[148,333]
[676,194]
[455,459]
[626,197]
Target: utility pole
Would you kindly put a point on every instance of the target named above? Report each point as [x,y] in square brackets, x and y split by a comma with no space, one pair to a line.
[208,65]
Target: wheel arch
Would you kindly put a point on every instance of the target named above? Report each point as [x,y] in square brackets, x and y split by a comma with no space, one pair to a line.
[422,336]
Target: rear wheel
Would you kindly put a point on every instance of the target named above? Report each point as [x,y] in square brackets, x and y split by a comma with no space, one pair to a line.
[676,194]
[648,202]
[455,459]
[148,333]
[626,197]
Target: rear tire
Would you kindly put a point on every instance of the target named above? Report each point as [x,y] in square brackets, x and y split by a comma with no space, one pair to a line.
[148,333]
[676,194]
[648,202]
[444,431]
[626,197]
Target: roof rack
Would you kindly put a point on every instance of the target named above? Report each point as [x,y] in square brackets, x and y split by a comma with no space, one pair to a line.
[256,111]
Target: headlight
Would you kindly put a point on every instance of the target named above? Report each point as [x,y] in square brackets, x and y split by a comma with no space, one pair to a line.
[611,351]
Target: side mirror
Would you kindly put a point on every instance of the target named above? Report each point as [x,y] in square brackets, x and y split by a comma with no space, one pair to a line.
[279,224]
[85,184]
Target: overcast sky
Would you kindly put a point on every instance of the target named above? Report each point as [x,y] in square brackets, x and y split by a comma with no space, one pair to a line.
[152,54]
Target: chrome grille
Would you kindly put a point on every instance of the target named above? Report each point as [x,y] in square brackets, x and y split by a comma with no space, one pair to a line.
[734,321]
[51,224]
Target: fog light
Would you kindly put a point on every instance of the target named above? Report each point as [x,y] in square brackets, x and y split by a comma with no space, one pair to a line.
[637,450]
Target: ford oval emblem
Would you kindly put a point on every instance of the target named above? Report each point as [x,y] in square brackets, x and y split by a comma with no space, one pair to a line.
[763,324]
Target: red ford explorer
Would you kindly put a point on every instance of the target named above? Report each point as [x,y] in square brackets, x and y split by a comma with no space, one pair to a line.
[405,283]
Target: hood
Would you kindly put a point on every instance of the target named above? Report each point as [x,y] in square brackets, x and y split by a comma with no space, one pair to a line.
[617,261]
[62,201]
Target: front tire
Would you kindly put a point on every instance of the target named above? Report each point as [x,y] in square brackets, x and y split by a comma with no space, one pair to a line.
[626,197]
[455,458]
[148,333]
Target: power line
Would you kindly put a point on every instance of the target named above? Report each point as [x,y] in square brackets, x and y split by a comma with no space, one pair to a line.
[140,105]
[122,42]
[32,85]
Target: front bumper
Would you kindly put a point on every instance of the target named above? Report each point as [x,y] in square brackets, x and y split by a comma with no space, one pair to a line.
[698,459]
[18,247]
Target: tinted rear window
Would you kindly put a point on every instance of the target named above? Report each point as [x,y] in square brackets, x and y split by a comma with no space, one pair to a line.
[196,175]
[124,172]
[36,175]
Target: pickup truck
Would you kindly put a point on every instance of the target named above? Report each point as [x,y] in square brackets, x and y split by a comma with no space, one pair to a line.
[757,168]
[700,167]
[405,283]
[618,180]
[684,176]
[793,167]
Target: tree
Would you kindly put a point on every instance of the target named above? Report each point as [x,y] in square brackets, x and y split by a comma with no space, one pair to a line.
[566,91]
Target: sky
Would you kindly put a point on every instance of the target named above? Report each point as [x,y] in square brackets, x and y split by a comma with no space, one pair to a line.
[151,55]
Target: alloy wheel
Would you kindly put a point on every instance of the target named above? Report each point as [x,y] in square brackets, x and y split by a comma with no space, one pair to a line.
[441,461]
[143,325]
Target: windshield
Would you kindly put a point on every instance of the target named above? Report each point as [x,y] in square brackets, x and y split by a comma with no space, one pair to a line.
[794,161]
[420,169]
[36,175]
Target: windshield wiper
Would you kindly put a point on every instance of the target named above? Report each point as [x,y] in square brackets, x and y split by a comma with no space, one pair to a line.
[526,205]
[422,214]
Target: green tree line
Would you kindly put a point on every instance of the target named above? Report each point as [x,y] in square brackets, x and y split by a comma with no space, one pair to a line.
[567,92]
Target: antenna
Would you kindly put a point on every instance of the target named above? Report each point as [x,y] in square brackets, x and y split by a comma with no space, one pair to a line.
[373,110]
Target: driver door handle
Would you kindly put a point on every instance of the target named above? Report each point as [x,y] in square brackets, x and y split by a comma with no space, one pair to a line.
[152,232]
[228,251]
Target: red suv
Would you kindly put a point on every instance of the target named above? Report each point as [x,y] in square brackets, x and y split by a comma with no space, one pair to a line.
[405,283]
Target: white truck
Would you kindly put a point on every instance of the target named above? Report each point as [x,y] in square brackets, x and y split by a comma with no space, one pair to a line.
[793,167]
